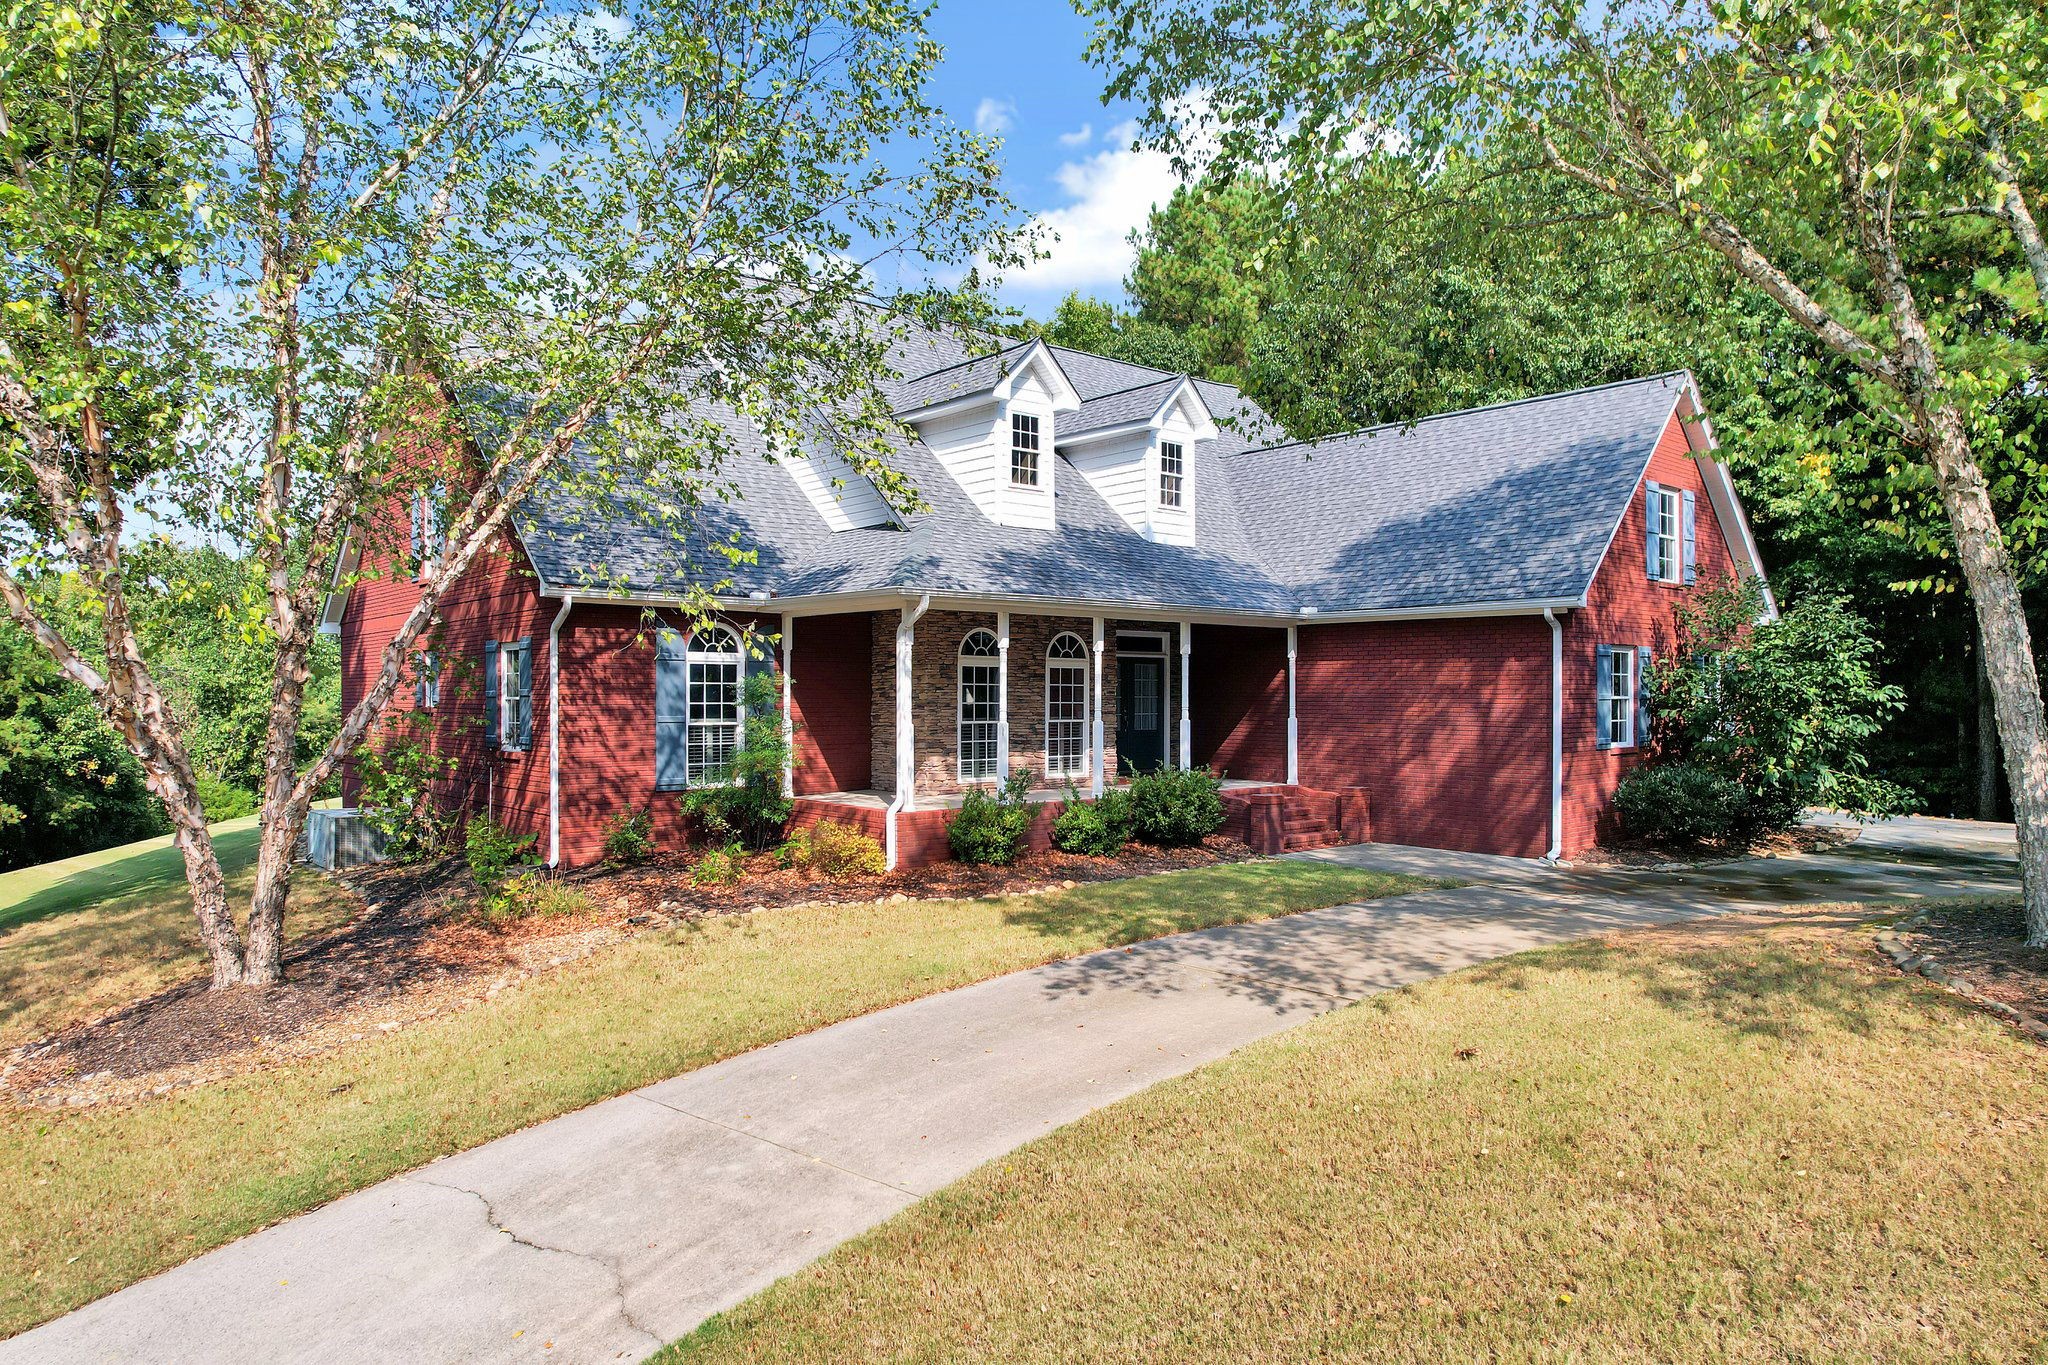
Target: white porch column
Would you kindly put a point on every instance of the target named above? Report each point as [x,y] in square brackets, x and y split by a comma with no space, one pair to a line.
[1097,763]
[906,741]
[1003,692]
[1293,723]
[1187,726]
[788,720]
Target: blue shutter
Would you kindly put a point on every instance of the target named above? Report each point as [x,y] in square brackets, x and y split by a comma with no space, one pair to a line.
[1603,683]
[419,684]
[1642,725]
[526,693]
[671,712]
[1692,567]
[1650,491]
[491,693]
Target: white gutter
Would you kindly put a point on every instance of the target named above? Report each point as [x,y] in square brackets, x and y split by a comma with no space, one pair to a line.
[555,731]
[1293,721]
[906,767]
[1556,737]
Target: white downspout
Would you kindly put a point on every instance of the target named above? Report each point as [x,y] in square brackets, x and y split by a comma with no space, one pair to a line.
[1187,726]
[1293,722]
[1096,733]
[1003,693]
[906,756]
[555,731]
[788,715]
[1556,737]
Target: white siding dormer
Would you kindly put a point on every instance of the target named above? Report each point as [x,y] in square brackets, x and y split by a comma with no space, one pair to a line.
[1026,463]
[841,495]
[977,438]
[1127,465]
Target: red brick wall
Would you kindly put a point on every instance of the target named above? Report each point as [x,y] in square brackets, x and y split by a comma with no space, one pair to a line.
[1237,700]
[1625,607]
[1447,723]
[830,700]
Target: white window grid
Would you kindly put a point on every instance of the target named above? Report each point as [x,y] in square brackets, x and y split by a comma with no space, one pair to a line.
[508,695]
[428,667]
[1666,509]
[980,708]
[1066,707]
[715,714]
[1024,450]
[1172,473]
[1618,706]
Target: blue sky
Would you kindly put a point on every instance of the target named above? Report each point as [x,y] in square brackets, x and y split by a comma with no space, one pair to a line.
[1015,67]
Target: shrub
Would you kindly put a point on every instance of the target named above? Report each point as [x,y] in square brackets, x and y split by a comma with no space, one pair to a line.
[748,805]
[720,866]
[1096,828]
[795,850]
[224,802]
[629,837]
[1172,806]
[841,851]
[990,828]
[493,851]
[531,894]
[1683,803]
[398,776]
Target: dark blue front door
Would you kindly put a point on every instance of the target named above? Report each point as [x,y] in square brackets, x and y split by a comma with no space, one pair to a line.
[1140,713]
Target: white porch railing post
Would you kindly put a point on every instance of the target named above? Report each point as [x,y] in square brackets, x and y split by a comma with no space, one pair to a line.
[1187,726]
[1293,722]
[1003,691]
[1096,761]
[788,718]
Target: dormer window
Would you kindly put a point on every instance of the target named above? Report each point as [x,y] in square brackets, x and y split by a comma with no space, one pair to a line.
[1172,470]
[1023,450]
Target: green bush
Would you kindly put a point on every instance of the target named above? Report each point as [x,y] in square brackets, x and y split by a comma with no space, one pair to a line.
[990,828]
[748,806]
[225,802]
[841,851]
[720,866]
[1171,806]
[493,851]
[1683,803]
[629,837]
[532,894]
[1096,828]
[399,775]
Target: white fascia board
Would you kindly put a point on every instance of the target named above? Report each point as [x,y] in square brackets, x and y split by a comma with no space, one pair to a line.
[1038,356]
[1727,503]
[980,399]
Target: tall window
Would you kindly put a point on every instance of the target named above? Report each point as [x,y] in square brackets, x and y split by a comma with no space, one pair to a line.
[1066,707]
[714,703]
[1618,695]
[1023,450]
[980,707]
[1662,509]
[1172,470]
[515,674]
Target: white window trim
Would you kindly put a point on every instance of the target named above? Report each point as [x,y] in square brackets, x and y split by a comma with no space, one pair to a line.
[1671,547]
[509,696]
[427,665]
[1085,760]
[1040,422]
[993,662]
[1621,667]
[692,657]
[1179,476]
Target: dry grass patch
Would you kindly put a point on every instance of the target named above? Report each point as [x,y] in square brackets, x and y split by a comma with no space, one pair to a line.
[1741,1141]
[95,1199]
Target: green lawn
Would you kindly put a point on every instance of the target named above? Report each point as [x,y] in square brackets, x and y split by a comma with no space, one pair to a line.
[1745,1142]
[95,1199]
[82,935]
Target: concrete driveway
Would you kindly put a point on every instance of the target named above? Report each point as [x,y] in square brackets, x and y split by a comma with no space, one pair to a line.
[605,1233]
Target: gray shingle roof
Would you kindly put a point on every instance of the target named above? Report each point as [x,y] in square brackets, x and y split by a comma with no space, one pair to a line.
[1511,503]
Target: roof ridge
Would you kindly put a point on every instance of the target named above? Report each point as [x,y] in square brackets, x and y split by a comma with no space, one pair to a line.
[1148,384]
[970,360]
[1466,412]
[1140,365]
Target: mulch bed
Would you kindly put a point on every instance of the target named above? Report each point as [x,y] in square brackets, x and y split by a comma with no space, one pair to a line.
[1981,951]
[1661,857]
[419,950]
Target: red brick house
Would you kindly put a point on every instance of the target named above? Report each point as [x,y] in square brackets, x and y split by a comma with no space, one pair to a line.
[1432,633]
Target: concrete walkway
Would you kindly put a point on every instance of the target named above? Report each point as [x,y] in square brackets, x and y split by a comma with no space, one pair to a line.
[602,1234]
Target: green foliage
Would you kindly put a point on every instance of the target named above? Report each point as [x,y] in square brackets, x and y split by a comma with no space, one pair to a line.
[223,802]
[629,836]
[1784,708]
[1173,807]
[399,776]
[493,851]
[841,851]
[1098,829]
[720,866]
[990,828]
[745,803]
[1086,324]
[535,895]
[1683,803]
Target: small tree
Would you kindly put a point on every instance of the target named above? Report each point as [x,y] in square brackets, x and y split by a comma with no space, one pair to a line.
[744,801]
[1783,708]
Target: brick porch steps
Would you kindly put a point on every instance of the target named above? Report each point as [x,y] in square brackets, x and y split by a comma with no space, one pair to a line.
[1285,819]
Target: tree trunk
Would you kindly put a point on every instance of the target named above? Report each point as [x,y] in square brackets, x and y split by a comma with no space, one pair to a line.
[209,892]
[276,847]
[1987,741]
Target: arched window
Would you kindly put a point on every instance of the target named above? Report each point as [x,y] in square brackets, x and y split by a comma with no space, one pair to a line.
[713,665]
[980,707]
[1066,707]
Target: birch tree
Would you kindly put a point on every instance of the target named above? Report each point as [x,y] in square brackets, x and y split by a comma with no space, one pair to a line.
[1817,149]
[272,271]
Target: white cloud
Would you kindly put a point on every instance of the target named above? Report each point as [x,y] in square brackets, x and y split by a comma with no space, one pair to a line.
[1080,137]
[994,116]
[1111,193]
